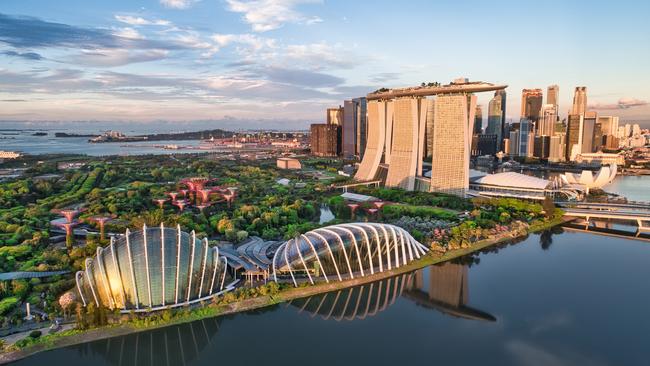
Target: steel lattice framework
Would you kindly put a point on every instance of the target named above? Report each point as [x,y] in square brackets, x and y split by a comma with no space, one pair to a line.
[153,269]
[344,251]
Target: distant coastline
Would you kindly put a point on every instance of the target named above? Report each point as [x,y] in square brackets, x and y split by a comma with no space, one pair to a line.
[195,135]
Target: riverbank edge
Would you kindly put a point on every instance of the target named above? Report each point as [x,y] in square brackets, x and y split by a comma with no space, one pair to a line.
[79,337]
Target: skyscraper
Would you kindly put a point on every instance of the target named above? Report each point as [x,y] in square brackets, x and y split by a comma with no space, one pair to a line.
[579,100]
[531,104]
[324,139]
[589,132]
[525,132]
[335,116]
[354,127]
[557,149]
[574,135]
[454,116]
[478,120]
[497,117]
[546,125]
[608,125]
[553,95]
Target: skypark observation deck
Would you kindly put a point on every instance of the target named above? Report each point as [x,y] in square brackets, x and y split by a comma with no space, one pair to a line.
[423,91]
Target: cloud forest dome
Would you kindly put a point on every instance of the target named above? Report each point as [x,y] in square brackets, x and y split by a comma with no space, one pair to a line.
[154,268]
[345,251]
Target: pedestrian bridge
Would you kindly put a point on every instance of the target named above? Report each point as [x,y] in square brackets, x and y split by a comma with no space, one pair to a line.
[641,217]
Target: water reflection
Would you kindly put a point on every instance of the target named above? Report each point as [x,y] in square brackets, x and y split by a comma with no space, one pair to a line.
[443,288]
[354,302]
[176,345]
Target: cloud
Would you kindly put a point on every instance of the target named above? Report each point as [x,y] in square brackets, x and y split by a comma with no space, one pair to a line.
[623,103]
[131,20]
[266,15]
[254,42]
[24,55]
[118,57]
[301,77]
[323,55]
[30,32]
[128,33]
[178,4]
[384,77]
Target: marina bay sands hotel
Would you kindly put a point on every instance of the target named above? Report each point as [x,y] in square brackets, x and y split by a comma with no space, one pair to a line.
[406,130]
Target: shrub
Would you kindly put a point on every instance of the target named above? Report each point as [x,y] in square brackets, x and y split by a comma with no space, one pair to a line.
[7,304]
[35,334]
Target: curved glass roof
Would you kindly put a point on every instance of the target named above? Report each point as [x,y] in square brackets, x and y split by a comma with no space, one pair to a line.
[153,269]
[512,179]
[344,251]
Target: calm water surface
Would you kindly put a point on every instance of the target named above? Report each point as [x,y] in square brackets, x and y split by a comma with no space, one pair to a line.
[563,299]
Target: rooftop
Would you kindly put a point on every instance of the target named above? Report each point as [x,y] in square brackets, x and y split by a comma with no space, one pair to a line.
[512,179]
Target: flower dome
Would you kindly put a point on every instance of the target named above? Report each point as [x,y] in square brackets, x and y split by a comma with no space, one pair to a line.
[153,269]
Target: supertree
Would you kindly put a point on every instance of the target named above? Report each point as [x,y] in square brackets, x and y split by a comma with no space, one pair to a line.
[172,195]
[160,202]
[181,204]
[101,221]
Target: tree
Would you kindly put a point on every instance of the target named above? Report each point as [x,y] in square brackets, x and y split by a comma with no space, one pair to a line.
[549,206]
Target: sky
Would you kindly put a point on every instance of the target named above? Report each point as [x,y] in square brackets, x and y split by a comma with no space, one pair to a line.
[281,63]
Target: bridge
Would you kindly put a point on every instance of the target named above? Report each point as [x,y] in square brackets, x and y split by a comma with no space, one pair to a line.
[605,206]
[371,183]
[588,212]
[614,233]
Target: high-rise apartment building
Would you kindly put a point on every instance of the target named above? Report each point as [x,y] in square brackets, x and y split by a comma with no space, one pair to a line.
[531,104]
[579,101]
[553,95]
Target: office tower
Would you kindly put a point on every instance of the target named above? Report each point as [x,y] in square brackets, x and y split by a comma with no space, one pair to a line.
[335,116]
[478,120]
[362,126]
[506,146]
[557,148]
[495,119]
[325,139]
[553,96]
[608,125]
[542,147]
[514,143]
[546,125]
[628,130]
[454,117]
[525,133]
[531,104]
[486,145]
[598,137]
[610,142]
[354,129]
[574,136]
[579,100]
[502,93]
[589,132]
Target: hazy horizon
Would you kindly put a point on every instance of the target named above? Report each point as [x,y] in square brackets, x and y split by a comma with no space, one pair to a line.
[283,62]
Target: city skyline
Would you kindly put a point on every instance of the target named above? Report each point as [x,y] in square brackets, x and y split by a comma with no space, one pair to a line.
[287,60]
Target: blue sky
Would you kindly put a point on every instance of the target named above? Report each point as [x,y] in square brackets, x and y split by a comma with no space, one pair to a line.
[285,61]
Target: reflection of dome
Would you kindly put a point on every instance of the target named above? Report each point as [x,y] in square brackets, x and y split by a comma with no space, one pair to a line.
[355,302]
[605,175]
[153,269]
[346,250]
[175,345]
